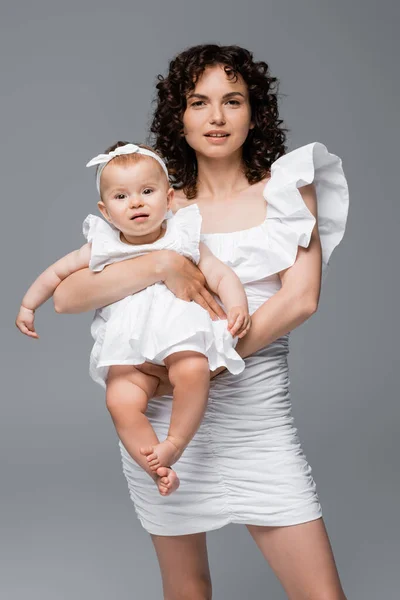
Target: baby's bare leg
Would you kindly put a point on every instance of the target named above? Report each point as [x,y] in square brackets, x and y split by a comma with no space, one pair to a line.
[127,396]
[189,375]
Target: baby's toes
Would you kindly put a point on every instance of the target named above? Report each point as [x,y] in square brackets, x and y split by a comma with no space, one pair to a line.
[152,457]
[162,489]
[155,466]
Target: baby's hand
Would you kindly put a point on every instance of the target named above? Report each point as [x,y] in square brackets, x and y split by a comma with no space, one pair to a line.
[239,321]
[25,322]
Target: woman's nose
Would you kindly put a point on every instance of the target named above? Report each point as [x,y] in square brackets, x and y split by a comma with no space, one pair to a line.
[217,116]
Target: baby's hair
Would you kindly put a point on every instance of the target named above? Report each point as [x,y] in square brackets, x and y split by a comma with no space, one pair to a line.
[131,158]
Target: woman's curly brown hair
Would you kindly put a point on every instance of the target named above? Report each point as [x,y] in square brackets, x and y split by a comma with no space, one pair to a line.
[265,142]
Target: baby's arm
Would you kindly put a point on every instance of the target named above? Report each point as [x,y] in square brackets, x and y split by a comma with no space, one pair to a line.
[44,286]
[227,285]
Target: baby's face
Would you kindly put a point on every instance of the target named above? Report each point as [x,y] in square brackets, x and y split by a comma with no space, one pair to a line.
[135,197]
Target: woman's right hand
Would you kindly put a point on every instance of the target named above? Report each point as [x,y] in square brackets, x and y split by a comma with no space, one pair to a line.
[188,283]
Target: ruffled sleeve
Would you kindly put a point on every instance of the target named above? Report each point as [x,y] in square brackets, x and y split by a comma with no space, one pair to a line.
[289,221]
[187,228]
[103,237]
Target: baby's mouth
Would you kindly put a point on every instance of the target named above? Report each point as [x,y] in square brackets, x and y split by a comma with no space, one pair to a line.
[138,216]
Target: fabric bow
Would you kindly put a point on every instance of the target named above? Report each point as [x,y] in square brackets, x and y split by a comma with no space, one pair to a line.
[103,159]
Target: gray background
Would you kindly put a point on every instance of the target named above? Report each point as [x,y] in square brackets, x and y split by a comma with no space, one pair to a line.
[75,76]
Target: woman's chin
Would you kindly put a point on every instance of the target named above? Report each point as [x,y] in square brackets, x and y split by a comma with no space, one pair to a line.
[218,151]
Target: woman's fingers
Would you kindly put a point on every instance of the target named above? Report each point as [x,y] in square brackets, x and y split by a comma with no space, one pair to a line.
[188,283]
[204,299]
[201,302]
[213,304]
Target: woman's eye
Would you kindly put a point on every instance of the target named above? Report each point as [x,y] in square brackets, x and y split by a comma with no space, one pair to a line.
[200,102]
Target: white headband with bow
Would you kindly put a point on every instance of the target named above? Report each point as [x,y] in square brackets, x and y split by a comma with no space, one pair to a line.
[104,159]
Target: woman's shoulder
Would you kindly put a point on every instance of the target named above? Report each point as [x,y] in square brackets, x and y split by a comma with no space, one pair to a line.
[258,187]
[311,165]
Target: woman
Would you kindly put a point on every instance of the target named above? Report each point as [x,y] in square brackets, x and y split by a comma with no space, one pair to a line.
[217,124]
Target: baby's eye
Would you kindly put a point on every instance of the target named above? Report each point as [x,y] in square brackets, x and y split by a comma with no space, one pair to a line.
[147,191]
[120,196]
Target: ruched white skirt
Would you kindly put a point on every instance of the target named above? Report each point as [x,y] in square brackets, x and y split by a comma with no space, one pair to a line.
[245,463]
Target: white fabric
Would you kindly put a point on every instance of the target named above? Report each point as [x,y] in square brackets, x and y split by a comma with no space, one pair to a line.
[246,464]
[152,324]
[272,246]
[103,159]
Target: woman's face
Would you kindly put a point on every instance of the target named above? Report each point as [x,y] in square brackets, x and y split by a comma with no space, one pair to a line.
[217,118]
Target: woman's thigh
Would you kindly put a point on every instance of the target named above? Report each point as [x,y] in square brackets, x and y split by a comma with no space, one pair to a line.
[301,557]
[184,566]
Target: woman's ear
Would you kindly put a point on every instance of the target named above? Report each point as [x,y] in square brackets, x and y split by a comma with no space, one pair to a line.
[103,209]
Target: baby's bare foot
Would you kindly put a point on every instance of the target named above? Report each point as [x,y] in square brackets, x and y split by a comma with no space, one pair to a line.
[162,455]
[167,482]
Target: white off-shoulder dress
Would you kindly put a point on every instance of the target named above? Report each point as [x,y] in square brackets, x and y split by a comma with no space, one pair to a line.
[246,464]
[153,323]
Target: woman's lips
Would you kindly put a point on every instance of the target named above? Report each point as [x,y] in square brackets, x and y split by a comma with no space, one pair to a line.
[220,139]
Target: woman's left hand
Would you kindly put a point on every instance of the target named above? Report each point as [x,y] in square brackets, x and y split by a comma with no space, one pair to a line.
[164,387]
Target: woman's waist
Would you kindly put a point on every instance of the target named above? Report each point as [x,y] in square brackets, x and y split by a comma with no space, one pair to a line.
[262,387]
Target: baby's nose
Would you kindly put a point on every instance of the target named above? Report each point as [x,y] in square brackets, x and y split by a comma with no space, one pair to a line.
[135,200]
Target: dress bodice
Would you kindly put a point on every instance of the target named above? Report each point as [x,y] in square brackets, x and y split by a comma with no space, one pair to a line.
[259,253]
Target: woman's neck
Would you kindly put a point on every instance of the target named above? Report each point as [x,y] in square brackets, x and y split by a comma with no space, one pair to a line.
[220,178]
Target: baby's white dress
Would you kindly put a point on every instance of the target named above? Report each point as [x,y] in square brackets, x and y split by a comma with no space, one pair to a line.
[245,463]
[153,323]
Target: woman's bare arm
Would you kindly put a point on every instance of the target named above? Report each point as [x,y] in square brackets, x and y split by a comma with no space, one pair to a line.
[298,297]
[293,304]
[85,290]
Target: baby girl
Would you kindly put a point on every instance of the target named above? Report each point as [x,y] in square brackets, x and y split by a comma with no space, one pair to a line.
[151,325]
